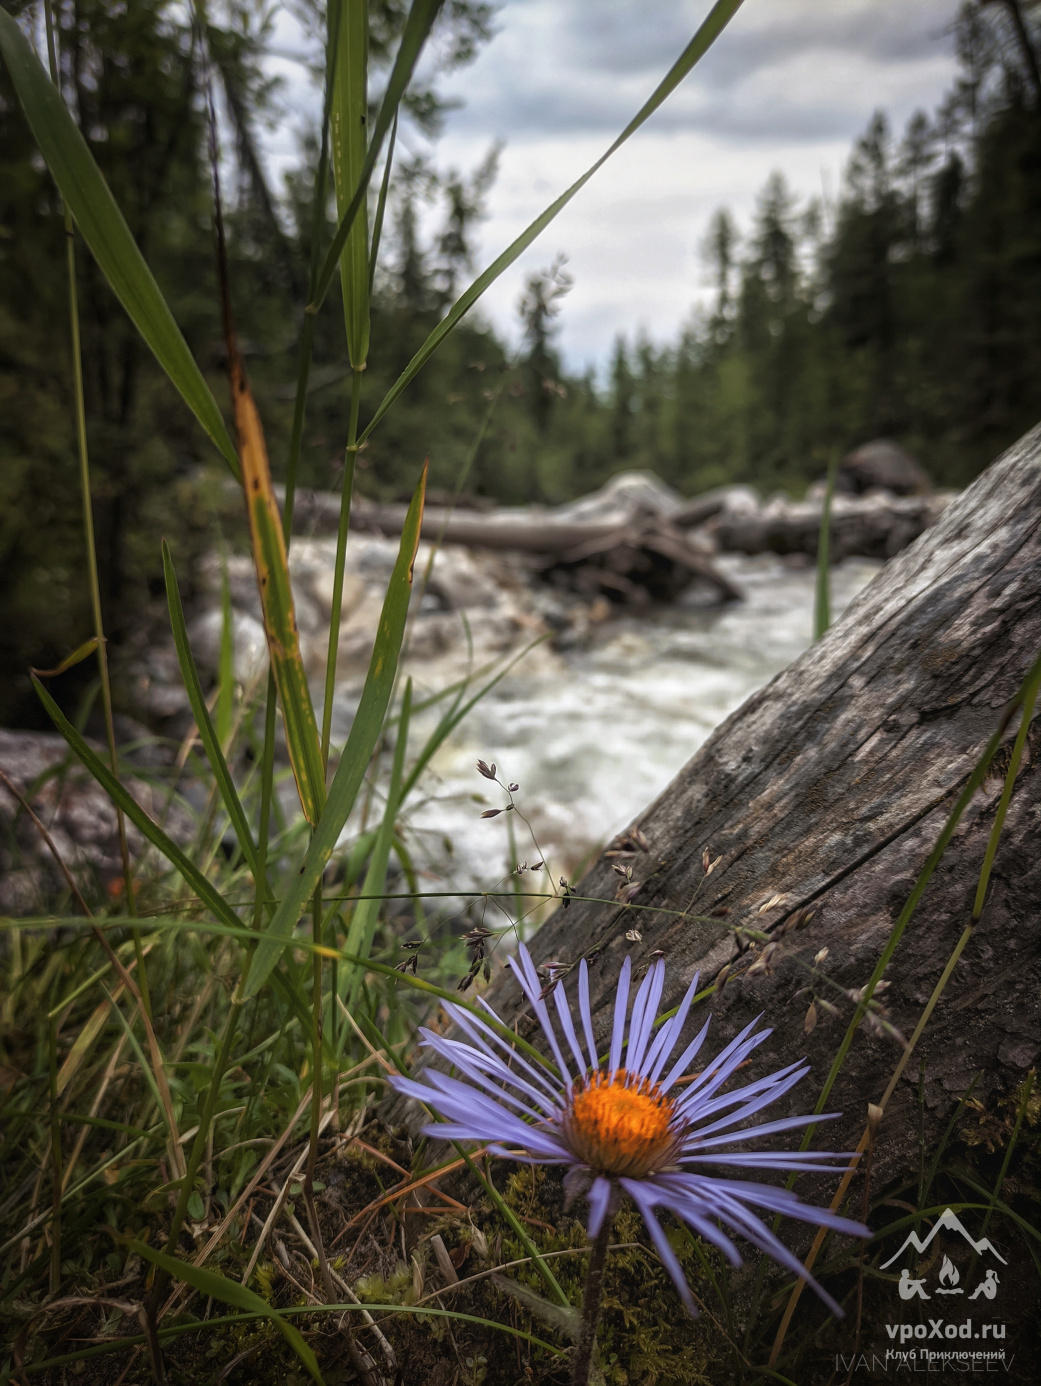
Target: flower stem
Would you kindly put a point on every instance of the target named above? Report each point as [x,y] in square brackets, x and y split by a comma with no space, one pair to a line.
[591,1297]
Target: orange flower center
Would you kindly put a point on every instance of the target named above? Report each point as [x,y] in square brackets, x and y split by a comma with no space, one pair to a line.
[621,1124]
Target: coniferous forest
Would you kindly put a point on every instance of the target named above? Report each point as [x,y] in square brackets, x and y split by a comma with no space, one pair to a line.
[909,307]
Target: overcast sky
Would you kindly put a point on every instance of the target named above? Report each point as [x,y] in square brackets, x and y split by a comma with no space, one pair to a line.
[788,86]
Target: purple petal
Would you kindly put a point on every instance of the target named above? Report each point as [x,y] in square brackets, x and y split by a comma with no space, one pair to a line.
[621,1002]
[484,1037]
[669,1033]
[496,1079]
[760,1235]
[509,1056]
[586,1013]
[540,1072]
[599,1196]
[487,1118]
[697,1145]
[764,1159]
[720,1069]
[752,1096]
[545,1153]
[792,1206]
[568,1026]
[524,970]
[678,1068]
[645,1011]
[637,1191]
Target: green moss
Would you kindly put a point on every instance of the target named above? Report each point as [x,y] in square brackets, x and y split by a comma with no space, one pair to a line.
[646,1338]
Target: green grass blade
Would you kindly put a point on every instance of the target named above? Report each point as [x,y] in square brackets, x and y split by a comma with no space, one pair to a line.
[103,228]
[226,668]
[365,731]
[420,20]
[381,203]
[207,732]
[349,114]
[366,912]
[718,18]
[822,600]
[206,892]
[217,1286]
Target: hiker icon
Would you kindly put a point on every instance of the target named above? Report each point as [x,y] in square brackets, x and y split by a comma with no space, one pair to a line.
[988,1287]
[909,1288]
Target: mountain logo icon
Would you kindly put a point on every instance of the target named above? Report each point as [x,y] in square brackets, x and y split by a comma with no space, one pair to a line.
[949,1222]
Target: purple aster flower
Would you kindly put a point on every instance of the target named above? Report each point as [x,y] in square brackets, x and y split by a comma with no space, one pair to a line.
[631,1129]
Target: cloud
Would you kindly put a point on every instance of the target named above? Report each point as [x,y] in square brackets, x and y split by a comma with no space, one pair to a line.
[799,67]
[789,85]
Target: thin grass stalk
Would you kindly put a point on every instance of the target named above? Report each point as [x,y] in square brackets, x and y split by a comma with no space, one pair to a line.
[88,536]
[346,495]
[822,598]
[223,712]
[198,1150]
[267,780]
[381,204]
[552,1283]
[316,1031]
[56,1162]
[316,1094]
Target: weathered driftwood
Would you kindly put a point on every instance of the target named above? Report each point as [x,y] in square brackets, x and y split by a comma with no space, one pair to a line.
[640,559]
[731,518]
[872,526]
[825,792]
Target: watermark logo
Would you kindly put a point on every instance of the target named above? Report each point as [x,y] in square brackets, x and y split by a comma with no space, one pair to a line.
[948,1280]
[944,1337]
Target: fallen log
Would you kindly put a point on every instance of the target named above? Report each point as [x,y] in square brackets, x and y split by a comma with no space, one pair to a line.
[642,560]
[878,525]
[804,822]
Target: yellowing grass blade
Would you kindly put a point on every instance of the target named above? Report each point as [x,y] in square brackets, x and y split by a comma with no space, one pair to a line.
[365,731]
[102,226]
[276,596]
[349,147]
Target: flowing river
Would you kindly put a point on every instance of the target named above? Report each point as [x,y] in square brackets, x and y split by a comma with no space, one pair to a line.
[593,734]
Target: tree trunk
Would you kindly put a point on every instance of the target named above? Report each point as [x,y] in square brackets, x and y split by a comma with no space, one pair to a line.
[825,793]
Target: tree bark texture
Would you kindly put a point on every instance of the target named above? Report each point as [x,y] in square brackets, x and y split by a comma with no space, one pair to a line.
[825,793]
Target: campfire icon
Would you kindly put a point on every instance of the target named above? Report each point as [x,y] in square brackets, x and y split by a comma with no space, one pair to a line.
[949,1278]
